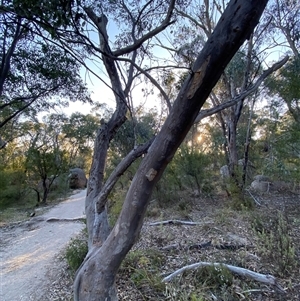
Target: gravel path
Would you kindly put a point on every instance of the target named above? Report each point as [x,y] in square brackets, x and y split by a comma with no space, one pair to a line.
[28,250]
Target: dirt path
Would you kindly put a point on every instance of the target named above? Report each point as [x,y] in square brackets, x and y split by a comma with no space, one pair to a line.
[27,251]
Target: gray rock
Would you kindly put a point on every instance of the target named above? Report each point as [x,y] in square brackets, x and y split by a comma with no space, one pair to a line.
[260,186]
[261,178]
[224,171]
[77,179]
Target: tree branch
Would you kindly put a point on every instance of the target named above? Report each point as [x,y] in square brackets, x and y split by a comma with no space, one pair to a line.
[6,58]
[152,80]
[193,20]
[267,279]
[118,172]
[175,222]
[205,113]
[166,22]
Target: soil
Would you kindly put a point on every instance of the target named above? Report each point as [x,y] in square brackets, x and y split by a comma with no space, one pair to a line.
[29,250]
[33,271]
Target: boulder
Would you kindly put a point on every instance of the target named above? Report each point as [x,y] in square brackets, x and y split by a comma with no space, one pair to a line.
[281,186]
[224,171]
[260,186]
[77,178]
[261,178]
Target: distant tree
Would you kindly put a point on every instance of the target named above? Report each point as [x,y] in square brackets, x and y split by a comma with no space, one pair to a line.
[136,130]
[283,18]
[285,84]
[78,133]
[234,94]
[35,75]
[45,158]
[13,188]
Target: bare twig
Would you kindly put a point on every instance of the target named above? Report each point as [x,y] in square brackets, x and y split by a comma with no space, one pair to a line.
[255,200]
[166,22]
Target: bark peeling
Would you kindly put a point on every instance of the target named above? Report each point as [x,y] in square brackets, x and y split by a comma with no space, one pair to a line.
[151,174]
[198,78]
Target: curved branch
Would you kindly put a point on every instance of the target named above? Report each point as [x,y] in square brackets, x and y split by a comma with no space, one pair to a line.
[166,22]
[118,171]
[152,80]
[25,106]
[268,279]
[205,113]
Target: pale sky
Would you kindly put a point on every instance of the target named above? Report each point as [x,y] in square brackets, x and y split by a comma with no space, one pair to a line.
[101,93]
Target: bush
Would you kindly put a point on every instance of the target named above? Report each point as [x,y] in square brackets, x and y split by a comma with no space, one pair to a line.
[189,170]
[76,252]
[144,268]
[12,187]
[275,243]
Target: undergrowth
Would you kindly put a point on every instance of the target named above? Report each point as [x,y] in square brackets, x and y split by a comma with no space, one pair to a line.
[143,268]
[76,251]
[275,243]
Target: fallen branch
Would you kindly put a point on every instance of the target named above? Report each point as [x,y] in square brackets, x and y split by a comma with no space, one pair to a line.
[170,247]
[76,219]
[219,247]
[255,200]
[268,279]
[174,222]
[205,245]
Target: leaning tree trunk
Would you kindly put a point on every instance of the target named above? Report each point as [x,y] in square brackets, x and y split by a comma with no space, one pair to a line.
[105,134]
[96,278]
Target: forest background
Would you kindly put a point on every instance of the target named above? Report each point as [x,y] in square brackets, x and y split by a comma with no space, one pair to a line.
[250,122]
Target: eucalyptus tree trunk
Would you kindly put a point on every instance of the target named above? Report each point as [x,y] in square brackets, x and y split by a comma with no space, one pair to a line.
[234,117]
[104,135]
[95,279]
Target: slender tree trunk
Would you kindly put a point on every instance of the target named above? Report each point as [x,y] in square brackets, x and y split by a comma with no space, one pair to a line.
[94,188]
[232,148]
[97,222]
[45,184]
[45,195]
[96,278]
[37,196]
[247,146]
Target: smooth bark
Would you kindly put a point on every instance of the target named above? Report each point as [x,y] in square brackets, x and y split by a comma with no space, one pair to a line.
[267,279]
[96,278]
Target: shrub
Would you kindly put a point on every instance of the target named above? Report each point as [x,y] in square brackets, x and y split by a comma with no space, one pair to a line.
[275,243]
[12,187]
[143,267]
[76,252]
